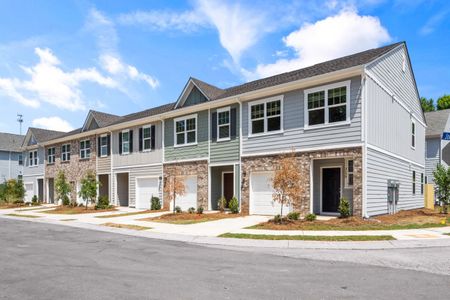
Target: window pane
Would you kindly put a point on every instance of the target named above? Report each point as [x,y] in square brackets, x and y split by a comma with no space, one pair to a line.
[191,137]
[337,114]
[257,111]
[180,138]
[224,117]
[68,156]
[104,151]
[350,179]
[224,132]
[316,117]
[147,144]
[316,100]
[273,108]
[104,140]
[88,153]
[273,123]
[125,147]
[257,126]
[125,136]
[350,165]
[180,126]
[190,124]
[146,132]
[337,96]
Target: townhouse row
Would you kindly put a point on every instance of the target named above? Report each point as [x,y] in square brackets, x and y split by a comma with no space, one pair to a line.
[355,124]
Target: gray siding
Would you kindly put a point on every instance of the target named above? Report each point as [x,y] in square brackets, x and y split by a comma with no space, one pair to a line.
[137,158]
[226,151]
[388,70]
[9,165]
[389,125]
[104,165]
[187,152]
[34,170]
[380,168]
[432,157]
[295,135]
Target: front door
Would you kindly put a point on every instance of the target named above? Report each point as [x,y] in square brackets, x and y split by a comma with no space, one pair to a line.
[331,189]
[228,186]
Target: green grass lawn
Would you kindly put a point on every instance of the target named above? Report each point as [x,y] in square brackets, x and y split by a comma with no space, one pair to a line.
[22,216]
[308,237]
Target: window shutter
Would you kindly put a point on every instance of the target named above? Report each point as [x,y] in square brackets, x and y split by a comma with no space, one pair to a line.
[233,122]
[131,141]
[140,138]
[153,136]
[120,142]
[98,146]
[214,126]
[108,142]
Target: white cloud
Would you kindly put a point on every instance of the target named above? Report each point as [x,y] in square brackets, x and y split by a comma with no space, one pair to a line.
[333,37]
[52,123]
[50,83]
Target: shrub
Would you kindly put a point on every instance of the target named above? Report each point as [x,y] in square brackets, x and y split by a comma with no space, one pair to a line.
[234,205]
[34,200]
[12,191]
[102,203]
[310,217]
[344,208]
[200,210]
[222,204]
[277,219]
[65,200]
[18,201]
[295,215]
[155,204]
[191,210]
[178,209]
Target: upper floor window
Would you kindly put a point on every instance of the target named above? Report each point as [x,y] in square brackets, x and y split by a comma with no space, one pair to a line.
[413,134]
[125,142]
[65,152]
[328,104]
[147,138]
[51,155]
[223,124]
[186,130]
[265,116]
[34,161]
[103,146]
[20,159]
[85,149]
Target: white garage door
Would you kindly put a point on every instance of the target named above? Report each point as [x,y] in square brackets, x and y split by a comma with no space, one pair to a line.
[261,192]
[145,189]
[189,199]
[29,192]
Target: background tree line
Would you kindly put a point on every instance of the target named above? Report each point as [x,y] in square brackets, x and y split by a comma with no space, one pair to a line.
[442,102]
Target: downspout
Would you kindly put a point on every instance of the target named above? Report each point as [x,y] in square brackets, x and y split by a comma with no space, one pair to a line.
[163,124]
[209,159]
[364,139]
[240,153]
[111,186]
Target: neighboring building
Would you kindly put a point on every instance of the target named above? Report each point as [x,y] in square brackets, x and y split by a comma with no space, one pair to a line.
[34,163]
[11,160]
[355,124]
[437,149]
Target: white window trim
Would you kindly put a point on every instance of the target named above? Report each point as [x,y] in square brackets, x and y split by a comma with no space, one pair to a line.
[347,185]
[193,116]
[250,124]
[35,156]
[103,146]
[413,135]
[325,89]
[123,143]
[149,138]
[85,149]
[67,153]
[51,155]
[413,180]
[220,110]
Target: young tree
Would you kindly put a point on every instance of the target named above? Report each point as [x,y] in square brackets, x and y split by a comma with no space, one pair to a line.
[443,102]
[88,189]
[14,190]
[173,187]
[442,180]
[286,181]
[427,104]
[62,188]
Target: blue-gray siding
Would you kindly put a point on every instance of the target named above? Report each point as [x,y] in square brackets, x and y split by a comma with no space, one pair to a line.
[295,135]
[9,165]
[226,151]
[195,97]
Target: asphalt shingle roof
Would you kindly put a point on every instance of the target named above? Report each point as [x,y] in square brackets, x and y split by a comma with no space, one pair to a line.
[44,135]
[10,142]
[436,121]
[104,119]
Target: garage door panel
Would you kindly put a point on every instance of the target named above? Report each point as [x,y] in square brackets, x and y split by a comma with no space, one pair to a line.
[261,195]
[189,199]
[146,188]
[29,191]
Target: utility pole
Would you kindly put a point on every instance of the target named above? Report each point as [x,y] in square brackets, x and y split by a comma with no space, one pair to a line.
[20,120]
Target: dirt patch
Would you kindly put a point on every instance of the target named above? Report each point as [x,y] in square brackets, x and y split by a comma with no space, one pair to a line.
[131,213]
[411,219]
[66,210]
[16,205]
[126,226]
[187,218]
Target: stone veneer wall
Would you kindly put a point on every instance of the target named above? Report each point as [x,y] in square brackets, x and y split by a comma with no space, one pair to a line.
[74,169]
[198,168]
[303,161]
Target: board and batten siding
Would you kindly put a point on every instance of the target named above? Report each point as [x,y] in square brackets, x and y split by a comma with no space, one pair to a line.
[294,134]
[226,151]
[137,158]
[380,168]
[433,154]
[389,71]
[200,150]
[389,125]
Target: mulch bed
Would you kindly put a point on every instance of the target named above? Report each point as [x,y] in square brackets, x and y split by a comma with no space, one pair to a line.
[187,218]
[67,210]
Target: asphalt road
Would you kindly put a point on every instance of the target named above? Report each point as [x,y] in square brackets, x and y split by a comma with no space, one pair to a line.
[42,261]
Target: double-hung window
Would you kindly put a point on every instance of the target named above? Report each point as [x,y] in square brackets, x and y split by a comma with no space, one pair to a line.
[65,152]
[125,142]
[223,124]
[20,159]
[413,134]
[103,146]
[147,138]
[266,116]
[33,155]
[186,130]
[414,182]
[349,168]
[85,149]
[328,104]
[51,155]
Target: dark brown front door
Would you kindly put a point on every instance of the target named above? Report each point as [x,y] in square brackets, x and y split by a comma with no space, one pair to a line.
[228,191]
[331,189]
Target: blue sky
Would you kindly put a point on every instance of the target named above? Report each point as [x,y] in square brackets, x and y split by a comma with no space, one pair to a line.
[58,59]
